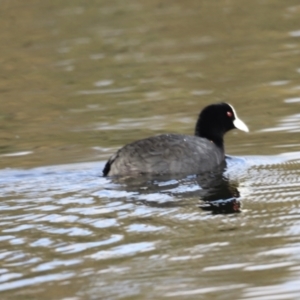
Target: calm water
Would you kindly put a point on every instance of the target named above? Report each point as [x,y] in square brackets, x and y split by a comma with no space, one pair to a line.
[81,78]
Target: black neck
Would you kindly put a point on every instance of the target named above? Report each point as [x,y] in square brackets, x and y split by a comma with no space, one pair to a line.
[209,133]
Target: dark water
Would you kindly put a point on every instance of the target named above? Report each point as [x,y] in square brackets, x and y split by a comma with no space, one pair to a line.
[79,79]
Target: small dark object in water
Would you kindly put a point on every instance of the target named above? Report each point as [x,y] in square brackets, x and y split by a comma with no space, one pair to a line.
[227,206]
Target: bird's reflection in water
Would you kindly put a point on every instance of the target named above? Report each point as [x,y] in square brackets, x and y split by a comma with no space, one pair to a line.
[217,193]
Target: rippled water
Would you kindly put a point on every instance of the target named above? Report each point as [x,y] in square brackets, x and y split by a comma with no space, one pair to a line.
[81,79]
[69,227]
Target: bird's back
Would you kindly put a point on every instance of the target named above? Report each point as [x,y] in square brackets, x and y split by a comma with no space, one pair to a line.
[165,154]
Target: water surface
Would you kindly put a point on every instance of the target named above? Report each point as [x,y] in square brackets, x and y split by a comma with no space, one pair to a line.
[78,81]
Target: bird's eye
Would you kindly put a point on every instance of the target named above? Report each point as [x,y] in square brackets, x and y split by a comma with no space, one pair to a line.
[229,114]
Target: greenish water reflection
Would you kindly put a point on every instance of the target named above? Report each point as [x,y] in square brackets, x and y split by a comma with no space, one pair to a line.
[80,79]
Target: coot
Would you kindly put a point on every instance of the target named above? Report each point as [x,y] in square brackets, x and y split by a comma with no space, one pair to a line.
[178,153]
